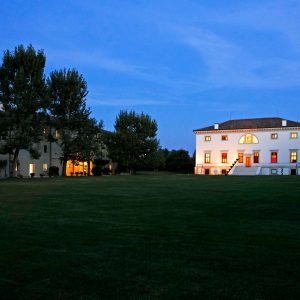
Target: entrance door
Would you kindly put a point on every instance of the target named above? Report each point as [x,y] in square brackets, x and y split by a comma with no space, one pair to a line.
[248,161]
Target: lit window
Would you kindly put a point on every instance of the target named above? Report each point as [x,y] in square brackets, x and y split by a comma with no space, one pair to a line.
[31,168]
[224,158]
[224,137]
[45,167]
[294,135]
[57,135]
[256,157]
[248,139]
[207,138]
[207,158]
[293,156]
[273,157]
[241,157]
[274,136]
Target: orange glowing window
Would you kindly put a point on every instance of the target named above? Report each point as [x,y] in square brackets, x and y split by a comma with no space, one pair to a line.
[241,157]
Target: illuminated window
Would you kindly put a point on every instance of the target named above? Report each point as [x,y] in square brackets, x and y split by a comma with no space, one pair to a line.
[274,136]
[207,138]
[31,168]
[274,157]
[293,156]
[224,137]
[248,139]
[241,157]
[294,135]
[207,157]
[224,158]
[57,135]
[45,148]
[45,167]
[256,157]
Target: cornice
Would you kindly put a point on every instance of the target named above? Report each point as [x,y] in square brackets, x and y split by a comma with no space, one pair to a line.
[217,131]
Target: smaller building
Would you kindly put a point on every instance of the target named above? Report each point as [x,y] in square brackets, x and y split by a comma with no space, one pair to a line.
[262,146]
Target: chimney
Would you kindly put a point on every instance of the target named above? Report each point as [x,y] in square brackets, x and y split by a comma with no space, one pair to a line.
[216,126]
[284,123]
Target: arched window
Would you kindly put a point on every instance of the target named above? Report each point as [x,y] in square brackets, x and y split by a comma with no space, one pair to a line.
[248,139]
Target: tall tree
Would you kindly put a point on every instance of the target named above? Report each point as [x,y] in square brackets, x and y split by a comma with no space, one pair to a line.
[22,98]
[67,108]
[134,140]
[89,140]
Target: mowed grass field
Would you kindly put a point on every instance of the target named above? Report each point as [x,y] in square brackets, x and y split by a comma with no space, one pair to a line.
[150,237]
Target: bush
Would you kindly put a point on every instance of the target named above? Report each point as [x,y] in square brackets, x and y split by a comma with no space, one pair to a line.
[54,171]
[97,171]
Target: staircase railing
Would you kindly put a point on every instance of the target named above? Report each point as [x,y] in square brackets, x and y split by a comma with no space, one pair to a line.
[234,163]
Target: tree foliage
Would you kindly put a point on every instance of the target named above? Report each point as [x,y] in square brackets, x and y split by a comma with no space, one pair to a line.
[22,97]
[133,141]
[179,161]
[67,91]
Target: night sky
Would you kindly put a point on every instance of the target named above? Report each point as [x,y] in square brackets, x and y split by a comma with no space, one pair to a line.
[186,63]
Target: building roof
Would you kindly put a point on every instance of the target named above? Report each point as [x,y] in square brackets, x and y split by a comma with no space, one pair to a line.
[251,124]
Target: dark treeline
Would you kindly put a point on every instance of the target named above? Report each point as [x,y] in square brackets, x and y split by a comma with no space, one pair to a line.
[34,107]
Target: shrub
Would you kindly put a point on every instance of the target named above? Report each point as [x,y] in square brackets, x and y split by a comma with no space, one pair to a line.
[53,171]
[97,171]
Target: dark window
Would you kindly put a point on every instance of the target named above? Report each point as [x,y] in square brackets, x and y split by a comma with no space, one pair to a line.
[224,171]
[45,148]
[293,172]
[256,157]
[224,138]
[206,171]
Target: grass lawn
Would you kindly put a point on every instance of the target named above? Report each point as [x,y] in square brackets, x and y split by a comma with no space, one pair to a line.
[150,237]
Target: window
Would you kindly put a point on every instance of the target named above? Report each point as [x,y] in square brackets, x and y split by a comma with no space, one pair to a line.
[45,167]
[241,157]
[45,148]
[274,136]
[293,156]
[294,135]
[248,139]
[207,157]
[256,157]
[224,171]
[224,158]
[206,171]
[224,137]
[274,157]
[31,168]
[207,138]
[57,135]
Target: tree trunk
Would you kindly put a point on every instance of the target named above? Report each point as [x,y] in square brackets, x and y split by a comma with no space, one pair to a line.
[89,167]
[12,171]
[64,169]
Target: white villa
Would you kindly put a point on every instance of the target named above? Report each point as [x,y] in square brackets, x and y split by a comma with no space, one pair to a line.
[263,146]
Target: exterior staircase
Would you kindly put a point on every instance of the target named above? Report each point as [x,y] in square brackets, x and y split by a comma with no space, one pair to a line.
[246,171]
[234,163]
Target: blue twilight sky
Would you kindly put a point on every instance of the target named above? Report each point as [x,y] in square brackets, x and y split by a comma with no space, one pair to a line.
[187,63]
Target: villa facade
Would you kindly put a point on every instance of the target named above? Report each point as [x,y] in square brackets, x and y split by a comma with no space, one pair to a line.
[262,146]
